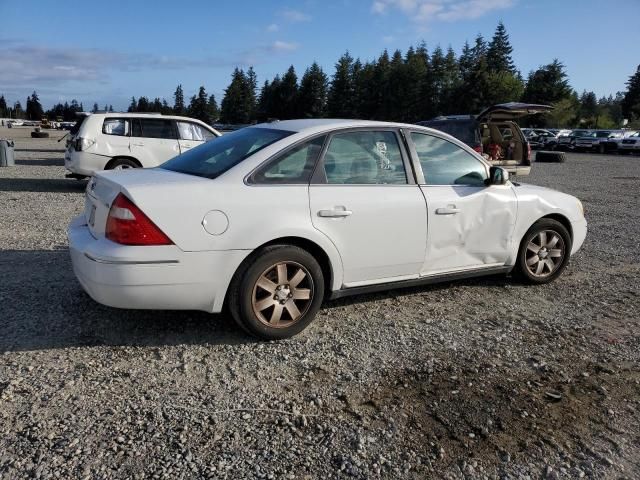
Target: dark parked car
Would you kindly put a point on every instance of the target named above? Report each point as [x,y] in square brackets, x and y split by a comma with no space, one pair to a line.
[494,133]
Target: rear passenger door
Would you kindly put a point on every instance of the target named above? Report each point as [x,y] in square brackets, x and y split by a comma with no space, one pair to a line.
[364,199]
[190,135]
[153,141]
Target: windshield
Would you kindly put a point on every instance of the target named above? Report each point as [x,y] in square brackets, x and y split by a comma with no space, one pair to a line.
[214,158]
[603,134]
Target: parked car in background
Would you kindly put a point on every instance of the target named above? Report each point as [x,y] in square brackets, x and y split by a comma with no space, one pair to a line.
[107,141]
[630,144]
[568,142]
[272,219]
[540,138]
[595,141]
[612,143]
[494,133]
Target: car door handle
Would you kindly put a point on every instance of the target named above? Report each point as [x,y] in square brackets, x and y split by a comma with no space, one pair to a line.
[138,144]
[335,213]
[450,210]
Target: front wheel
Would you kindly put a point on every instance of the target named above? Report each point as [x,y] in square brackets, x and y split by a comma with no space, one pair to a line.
[278,293]
[544,252]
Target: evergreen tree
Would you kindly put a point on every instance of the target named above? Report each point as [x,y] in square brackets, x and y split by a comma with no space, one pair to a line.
[133,105]
[288,94]
[313,92]
[143,105]
[106,107]
[547,85]
[4,111]
[110,108]
[34,107]
[631,101]
[499,51]
[95,108]
[341,92]
[178,105]
[213,108]
[18,112]
[238,104]
[588,109]
[199,106]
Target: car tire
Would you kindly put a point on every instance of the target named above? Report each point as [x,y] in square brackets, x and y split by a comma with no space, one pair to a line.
[550,157]
[544,252]
[601,149]
[122,164]
[277,292]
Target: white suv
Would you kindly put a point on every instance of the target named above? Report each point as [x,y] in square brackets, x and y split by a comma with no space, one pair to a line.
[113,141]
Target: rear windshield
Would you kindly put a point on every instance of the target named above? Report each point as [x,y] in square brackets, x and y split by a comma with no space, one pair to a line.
[78,124]
[465,131]
[212,159]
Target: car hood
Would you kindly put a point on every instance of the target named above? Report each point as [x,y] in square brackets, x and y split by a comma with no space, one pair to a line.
[511,111]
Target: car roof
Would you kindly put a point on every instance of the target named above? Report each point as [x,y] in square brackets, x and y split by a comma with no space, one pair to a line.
[315,125]
[134,115]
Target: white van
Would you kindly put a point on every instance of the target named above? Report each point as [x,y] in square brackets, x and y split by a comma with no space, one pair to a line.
[114,141]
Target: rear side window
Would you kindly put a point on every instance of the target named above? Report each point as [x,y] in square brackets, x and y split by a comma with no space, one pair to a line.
[364,157]
[294,166]
[153,128]
[212,159]
[115,126]
[193,131]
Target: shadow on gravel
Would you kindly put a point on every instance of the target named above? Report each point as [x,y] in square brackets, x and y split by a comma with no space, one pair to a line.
[49,162]
[63,185]
[42,306]
[41,150]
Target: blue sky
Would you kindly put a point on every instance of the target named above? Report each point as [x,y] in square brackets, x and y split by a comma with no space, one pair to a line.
[107,51]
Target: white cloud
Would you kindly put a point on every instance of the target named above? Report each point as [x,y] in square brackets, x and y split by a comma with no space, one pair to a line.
[295,16]
[273,27]
[280,46]
[423,11]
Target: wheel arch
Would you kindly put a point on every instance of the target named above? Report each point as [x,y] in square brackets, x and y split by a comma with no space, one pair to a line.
[113,160]
[558,217]
[319,253]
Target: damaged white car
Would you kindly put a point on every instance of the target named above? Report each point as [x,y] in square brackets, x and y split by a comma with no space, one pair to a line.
[273,219]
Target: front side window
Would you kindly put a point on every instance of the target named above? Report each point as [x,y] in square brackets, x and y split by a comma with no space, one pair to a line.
[212,159]
[444,163]
[295,166]
[364,157]
[154,128]
[115,126]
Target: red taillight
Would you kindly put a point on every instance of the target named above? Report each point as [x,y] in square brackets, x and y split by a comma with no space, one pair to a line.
[126,224]
[478,148]
[528,152]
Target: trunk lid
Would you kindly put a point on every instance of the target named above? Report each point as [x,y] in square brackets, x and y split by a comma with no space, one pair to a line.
[511,111]
[142,187]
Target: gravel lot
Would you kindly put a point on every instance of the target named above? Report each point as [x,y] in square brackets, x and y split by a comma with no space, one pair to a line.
[475,379]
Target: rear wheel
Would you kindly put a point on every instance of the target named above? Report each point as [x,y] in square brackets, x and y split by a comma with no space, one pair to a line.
[601,149]
[278,292]
[122,164]
[544,251]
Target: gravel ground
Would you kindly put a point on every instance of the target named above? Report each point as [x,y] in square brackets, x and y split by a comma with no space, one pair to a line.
[474,379]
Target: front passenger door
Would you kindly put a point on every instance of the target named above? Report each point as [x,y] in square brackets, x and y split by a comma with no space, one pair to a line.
[470,224]
[364,199]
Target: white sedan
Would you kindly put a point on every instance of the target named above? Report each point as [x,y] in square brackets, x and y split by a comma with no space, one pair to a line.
[272,219]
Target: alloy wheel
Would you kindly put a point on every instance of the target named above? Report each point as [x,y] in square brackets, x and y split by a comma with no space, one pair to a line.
[545,253]
[282,294]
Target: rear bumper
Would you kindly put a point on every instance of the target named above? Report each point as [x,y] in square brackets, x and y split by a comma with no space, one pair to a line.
[154,278]
[84,163]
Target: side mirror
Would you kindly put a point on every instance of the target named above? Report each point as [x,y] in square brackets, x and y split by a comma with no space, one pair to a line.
[497,176]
